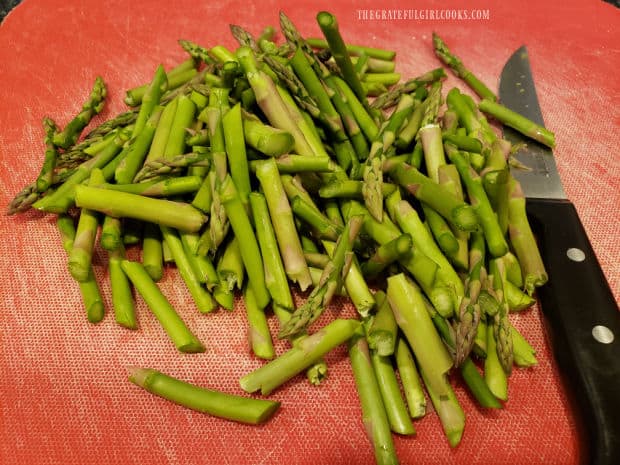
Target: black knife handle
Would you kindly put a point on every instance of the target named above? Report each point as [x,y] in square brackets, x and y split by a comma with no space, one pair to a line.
[580,311]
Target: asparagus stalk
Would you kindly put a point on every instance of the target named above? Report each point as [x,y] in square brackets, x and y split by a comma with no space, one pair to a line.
[152,251]
[150,100]
[331,280]
[170,321]
[413,319]
[386,254]
[89,289]
[177,215]
[301,356]
[518,122]
[457,212]
[122,297]
[382,330]
[258,329]
[219,404]
[275,275]
[410,379]
[283,223]
[203,300]
[444,53]
[232,125]
[46,175]
[81,255]
[374,416]
[329,27]
[248,245]
[266,139]
[523,241]
[70,134]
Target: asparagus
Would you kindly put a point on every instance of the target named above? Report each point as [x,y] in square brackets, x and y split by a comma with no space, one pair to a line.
[488,220]
[457,212]
[159,167]
[178,215]
[266,139]
[386,254]
[175,77]
[329,26]
[122,297]
[89,289]
[275,275]
[382,330]
[518,122]
[301,356]
[395,407]
[167,187]
[391,97]
[44,180]
[523,241]
[374,416]
[284,226]
[232,126]
[203,300]
[152,251]
[151,99]
[410,379]
[60,200]
[170,321]
[248,245]
[413,319]
[81,255]
[219,404]
[70,134]
[331,280]
[258,329]
[444,53]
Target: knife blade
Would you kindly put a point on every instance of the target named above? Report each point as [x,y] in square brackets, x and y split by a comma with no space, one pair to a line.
[581,315]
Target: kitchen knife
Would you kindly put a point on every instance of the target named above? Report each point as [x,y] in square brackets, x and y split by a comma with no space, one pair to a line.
[581,315]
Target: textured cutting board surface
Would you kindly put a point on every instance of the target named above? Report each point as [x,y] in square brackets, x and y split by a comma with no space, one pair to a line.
[64,394]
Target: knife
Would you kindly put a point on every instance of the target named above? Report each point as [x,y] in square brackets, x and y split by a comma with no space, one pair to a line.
[581,316]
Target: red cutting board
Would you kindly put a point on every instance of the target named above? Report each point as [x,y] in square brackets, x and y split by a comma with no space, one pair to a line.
[64,396]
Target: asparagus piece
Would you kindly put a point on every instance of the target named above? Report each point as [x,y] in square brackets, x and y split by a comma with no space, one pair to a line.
[395,407]
[410,379]
[248,245]
[374,416]
[386,254]
[324,227]
[152,252]
[444,53]
[111,234]
[63,198]
[518,122]
[488,220]
[89,289]
[128,168]
[348,188]
[331,280]
[266,139]
[413,319]
[219,404]
[283,223]
[275,276]
[355,285]
[441,231]
[373,169]
[494,374]
[167,187]
[203,300]
[46,175]
[170,321]
[365,121]
[357,50]
[81,255]
[301,356]
[150,100]
[258,330]
[524,353]
[329,26]
[451,181]
[174,78]
[517,299]
[391,97]
[201,264]
[122,297]
[183,118]
[501,324]
[70,134]
[177,215]
[269,100]
[523,241]
[232,126]
[382,330]
[457,212]
[300,164]
[161,167]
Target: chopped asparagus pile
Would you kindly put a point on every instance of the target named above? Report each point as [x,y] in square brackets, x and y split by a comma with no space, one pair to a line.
[308,165]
